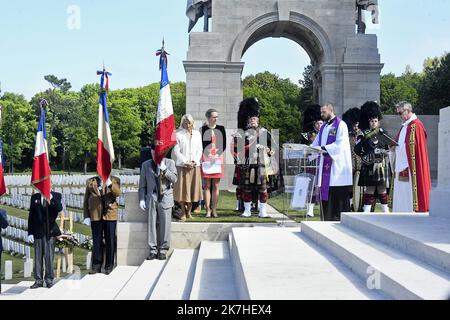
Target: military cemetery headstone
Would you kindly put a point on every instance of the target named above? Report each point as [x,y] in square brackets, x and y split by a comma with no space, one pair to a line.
[8,270]
[28,268]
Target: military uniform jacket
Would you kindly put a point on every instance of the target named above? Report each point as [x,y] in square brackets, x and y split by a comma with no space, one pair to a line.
[101,204]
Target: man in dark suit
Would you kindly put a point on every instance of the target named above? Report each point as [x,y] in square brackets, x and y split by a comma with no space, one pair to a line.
[101,213]
[156,198]
[3,225]
[42,231]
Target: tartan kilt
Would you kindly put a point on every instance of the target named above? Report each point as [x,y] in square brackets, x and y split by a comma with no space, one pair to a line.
[250,176]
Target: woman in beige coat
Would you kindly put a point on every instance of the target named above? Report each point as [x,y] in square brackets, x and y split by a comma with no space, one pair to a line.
[188,153]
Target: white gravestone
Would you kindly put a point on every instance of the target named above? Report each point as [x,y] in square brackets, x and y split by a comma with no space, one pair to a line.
[28,268]
[440,196]
[8,270]
[88,260]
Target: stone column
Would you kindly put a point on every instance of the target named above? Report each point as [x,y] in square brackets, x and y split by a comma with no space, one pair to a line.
[330,74]
[440,196]
[361,71]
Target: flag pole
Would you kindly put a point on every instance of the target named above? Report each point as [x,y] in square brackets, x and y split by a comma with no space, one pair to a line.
[42,101]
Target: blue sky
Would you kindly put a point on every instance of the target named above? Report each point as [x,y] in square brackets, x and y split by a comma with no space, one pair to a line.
[35,41]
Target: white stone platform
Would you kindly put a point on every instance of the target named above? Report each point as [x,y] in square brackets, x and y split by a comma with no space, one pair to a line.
[282,264]
[366,256]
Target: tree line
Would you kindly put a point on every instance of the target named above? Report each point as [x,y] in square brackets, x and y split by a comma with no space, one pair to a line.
[72,115]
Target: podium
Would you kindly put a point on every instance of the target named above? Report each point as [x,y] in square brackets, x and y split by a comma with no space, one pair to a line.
[300,164]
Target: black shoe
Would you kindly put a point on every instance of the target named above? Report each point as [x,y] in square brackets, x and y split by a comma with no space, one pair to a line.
[49,284]
[152,256]
[94,271]
[37,285]
[162,256]
[108,271]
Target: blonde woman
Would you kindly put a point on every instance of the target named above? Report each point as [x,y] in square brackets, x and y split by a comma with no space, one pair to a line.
[214,144]
[188,153]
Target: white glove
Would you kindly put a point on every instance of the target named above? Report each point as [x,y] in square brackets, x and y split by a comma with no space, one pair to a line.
[260,147]
[162,166]
[142,205]
[87,221]
[31,238]
[108,182]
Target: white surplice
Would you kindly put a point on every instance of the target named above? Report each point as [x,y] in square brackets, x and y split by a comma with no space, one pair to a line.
[403,196]
[340,152]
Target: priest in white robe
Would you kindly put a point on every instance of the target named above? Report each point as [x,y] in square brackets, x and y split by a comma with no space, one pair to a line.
[335,176]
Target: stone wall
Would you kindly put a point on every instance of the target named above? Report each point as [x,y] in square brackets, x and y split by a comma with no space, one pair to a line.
[440,196]
[132,235]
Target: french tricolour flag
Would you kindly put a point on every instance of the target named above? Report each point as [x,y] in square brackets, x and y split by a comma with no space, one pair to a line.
[165,127]
[2,177]
[40,176]
[105,149]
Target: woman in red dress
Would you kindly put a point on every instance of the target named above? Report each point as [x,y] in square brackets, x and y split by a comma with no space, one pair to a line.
[214,143]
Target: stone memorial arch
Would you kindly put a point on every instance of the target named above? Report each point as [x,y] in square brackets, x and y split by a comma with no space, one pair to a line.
[346,63]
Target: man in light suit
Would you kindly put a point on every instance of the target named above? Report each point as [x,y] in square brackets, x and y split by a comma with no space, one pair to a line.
[156,198]
[3,225]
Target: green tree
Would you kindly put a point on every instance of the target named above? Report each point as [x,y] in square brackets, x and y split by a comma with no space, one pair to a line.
[18,127]
[306,97]
[278,98]
[434,90]
[126,124]
[395,89]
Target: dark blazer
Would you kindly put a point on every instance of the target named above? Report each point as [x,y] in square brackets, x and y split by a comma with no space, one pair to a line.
[3,225]
[37,219]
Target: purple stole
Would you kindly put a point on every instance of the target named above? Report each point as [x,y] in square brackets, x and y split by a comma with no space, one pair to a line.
[327,160]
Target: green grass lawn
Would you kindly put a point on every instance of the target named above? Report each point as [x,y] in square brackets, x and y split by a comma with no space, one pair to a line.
[280,203]
[226,213]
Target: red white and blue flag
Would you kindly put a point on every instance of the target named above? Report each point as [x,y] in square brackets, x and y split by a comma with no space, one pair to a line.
[165,124]
[41,173]
[2,177]
[105,149]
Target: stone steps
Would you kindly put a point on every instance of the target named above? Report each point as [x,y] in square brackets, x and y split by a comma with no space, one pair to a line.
[33,294]
[282,264]
[6,287]
[115,282]
[175,282]
[400,275]
[60,288]
[213,278]
[14,292]
[420,235]
[79,289]
[141,284]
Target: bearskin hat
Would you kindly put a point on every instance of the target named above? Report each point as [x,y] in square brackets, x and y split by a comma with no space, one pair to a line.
[248,108]
[350,117]
[369,110]
[311,115]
